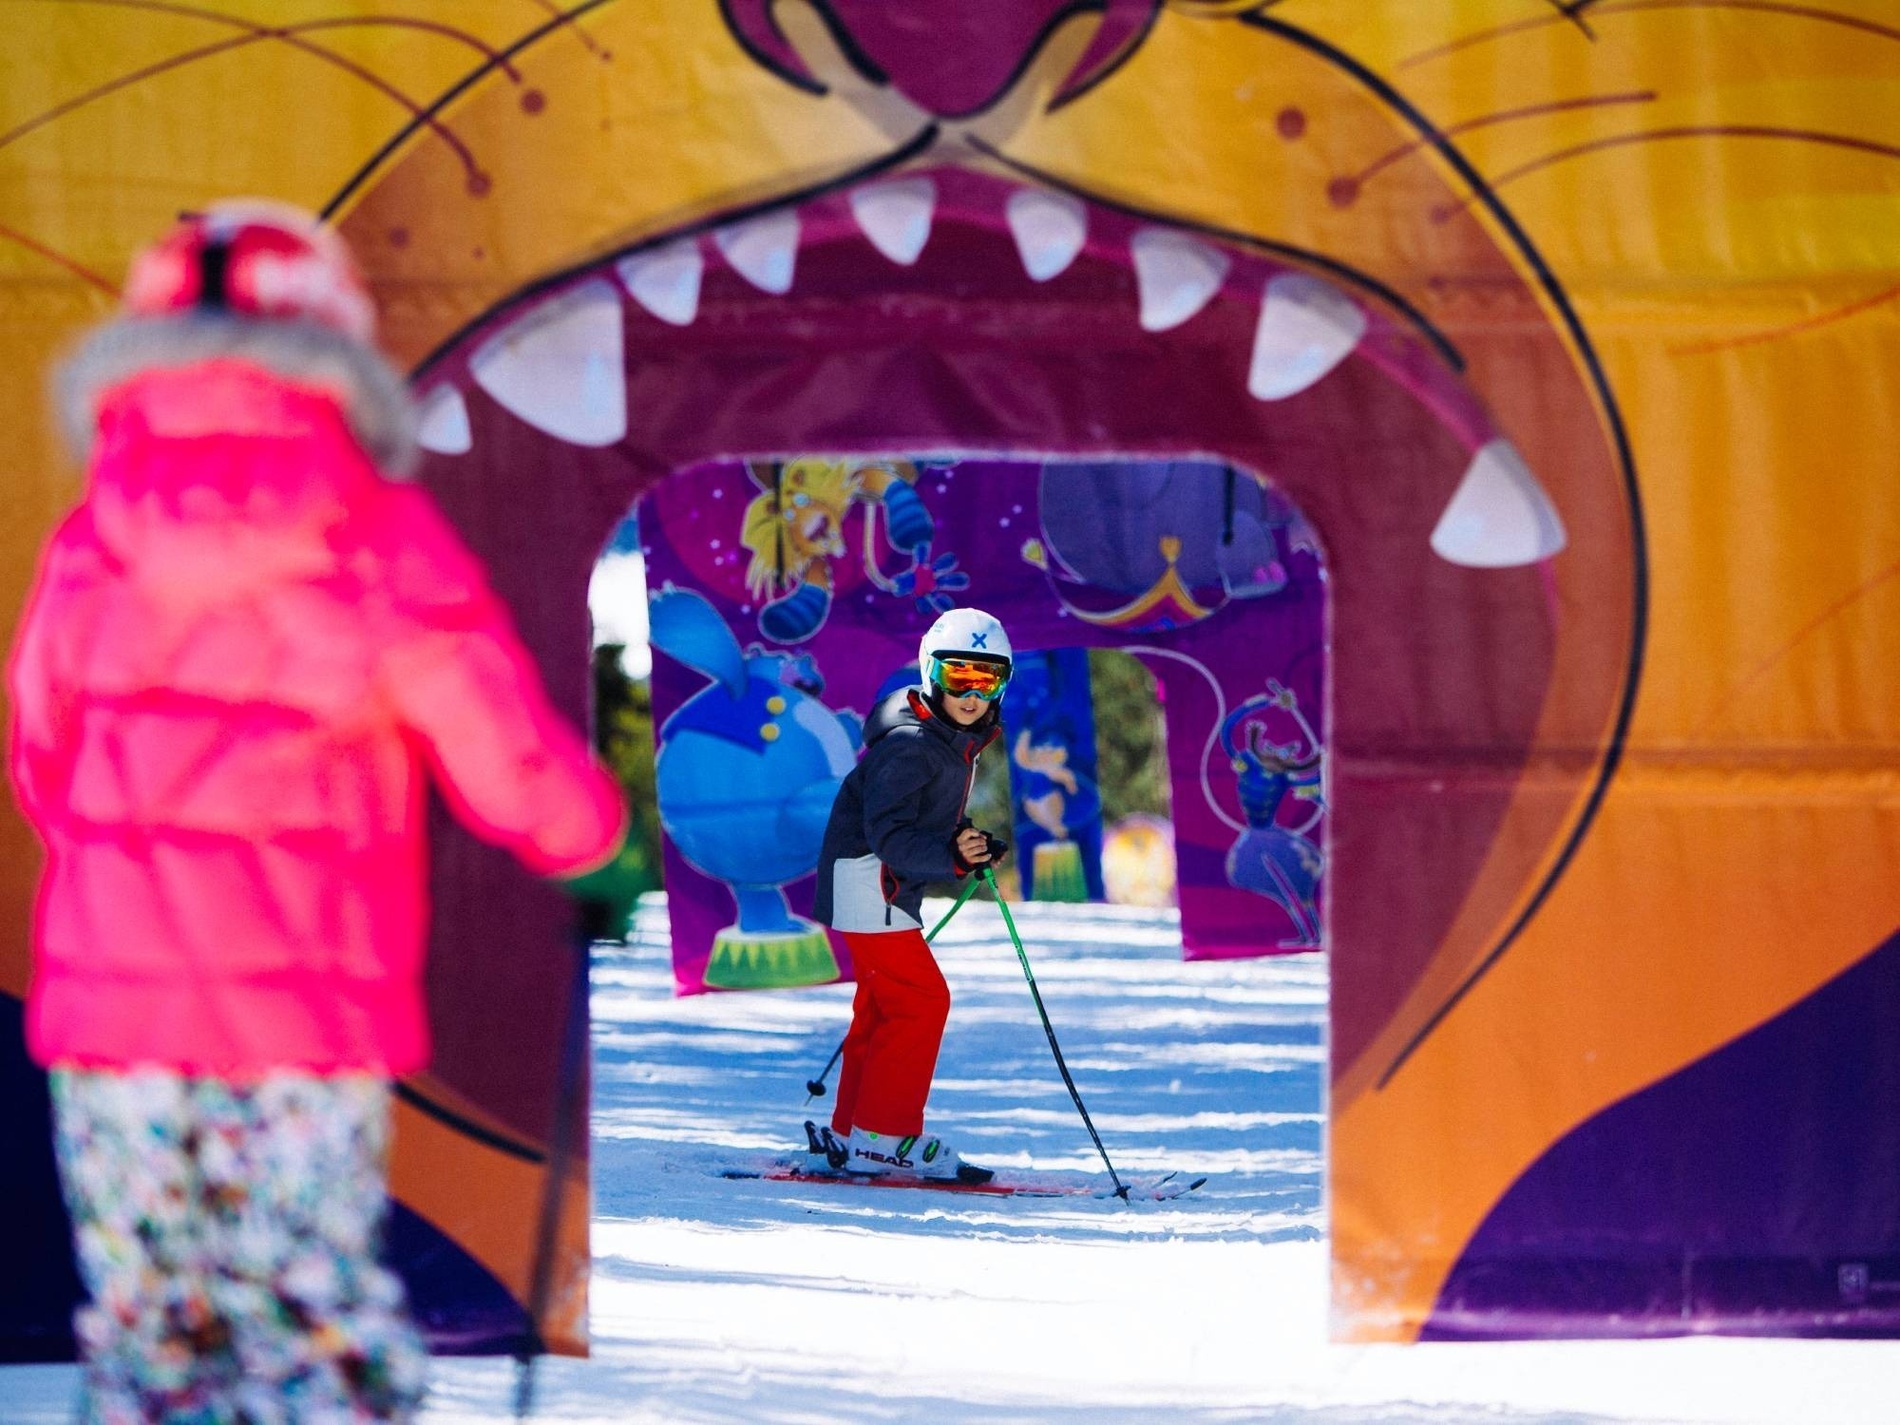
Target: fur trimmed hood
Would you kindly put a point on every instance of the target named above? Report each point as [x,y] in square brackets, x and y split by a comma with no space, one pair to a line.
[376,401]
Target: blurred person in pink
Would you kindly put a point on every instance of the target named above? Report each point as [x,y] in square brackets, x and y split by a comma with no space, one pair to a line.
[247,650]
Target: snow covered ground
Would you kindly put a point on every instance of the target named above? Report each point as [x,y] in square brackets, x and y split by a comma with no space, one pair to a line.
[722,1300]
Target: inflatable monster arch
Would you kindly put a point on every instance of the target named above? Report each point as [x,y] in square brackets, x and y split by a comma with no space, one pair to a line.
[1567,329]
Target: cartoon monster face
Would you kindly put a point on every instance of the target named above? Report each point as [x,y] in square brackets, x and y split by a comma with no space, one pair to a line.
[1583,237]
[817,494]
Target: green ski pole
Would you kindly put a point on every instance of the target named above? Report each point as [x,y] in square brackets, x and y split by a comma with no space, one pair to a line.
[1121,1189]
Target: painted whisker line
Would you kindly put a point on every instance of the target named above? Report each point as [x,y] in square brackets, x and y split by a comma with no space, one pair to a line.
[124,81]
[375,81]
[86,273]
[255,34]
[1692,131]
[567,19]
[1732,698]
[426,116]
[1503,116]
[1496,32]
[1807,324]
[1816,13]
[409,22]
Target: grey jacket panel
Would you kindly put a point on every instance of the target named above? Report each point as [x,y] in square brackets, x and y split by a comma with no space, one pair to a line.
[857,898]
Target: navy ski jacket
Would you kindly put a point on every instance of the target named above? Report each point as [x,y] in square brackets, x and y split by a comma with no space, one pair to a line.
[893,826]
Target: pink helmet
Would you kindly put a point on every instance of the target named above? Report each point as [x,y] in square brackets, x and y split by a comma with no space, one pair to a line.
[253,258]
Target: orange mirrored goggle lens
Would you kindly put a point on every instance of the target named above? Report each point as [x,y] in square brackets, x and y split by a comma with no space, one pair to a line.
[962,679]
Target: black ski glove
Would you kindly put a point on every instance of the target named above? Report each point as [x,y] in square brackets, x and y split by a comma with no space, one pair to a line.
[995,845]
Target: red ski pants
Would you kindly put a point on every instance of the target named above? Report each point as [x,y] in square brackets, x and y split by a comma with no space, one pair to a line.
[897,1024]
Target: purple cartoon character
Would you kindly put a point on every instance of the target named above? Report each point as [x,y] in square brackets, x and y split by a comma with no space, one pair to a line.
[1279,862]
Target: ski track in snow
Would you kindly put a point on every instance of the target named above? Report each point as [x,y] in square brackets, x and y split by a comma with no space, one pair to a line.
[744,1300]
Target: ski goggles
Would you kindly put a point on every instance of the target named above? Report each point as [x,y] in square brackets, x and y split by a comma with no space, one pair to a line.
[967,678]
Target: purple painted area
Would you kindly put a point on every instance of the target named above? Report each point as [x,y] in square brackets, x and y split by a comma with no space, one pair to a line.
[39,1284]
[1756,1191]
[1007,535]
[951,58]
[456,1303]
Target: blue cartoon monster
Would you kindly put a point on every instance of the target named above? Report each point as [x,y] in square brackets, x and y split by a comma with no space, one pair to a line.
[748,768]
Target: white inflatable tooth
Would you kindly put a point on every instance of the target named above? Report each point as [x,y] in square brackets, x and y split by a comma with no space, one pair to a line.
[442,424]
[1307,327]
[1499,516]
[665,280]
[763,250]
[1176,275]
[1049,229]
[896,216]
[560,368]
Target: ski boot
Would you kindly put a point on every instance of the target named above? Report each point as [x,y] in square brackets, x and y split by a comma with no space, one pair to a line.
[917,1155]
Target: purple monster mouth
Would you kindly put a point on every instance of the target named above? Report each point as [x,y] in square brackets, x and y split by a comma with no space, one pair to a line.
[954,312]
[558,364]
[951,58]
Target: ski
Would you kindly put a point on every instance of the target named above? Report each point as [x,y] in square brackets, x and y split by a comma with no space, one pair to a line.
[1161,1189]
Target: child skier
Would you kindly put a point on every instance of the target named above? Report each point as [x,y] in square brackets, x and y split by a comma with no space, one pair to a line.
[243,649]
[898,823]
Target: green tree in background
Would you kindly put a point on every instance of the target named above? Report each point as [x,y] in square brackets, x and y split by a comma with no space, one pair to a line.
[623,735]
[1131,750]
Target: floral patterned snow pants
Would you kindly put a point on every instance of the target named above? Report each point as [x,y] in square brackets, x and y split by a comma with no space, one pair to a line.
[228,1233]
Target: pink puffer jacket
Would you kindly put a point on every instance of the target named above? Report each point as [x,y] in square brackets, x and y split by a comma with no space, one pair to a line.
[243,649]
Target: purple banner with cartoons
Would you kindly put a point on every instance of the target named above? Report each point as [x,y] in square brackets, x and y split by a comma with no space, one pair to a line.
[788,596]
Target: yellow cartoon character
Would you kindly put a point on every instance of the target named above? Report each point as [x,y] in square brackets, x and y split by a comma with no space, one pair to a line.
[795,528]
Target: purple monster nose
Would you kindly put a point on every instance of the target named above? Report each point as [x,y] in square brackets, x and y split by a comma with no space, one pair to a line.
[952,58]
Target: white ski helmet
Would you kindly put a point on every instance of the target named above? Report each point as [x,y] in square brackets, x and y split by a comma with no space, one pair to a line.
[963,633]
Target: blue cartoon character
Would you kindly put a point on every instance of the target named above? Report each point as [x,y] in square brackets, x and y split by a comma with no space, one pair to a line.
[1278,862]
[748,768]
[794,528]
[1051,716]
[1057,798]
